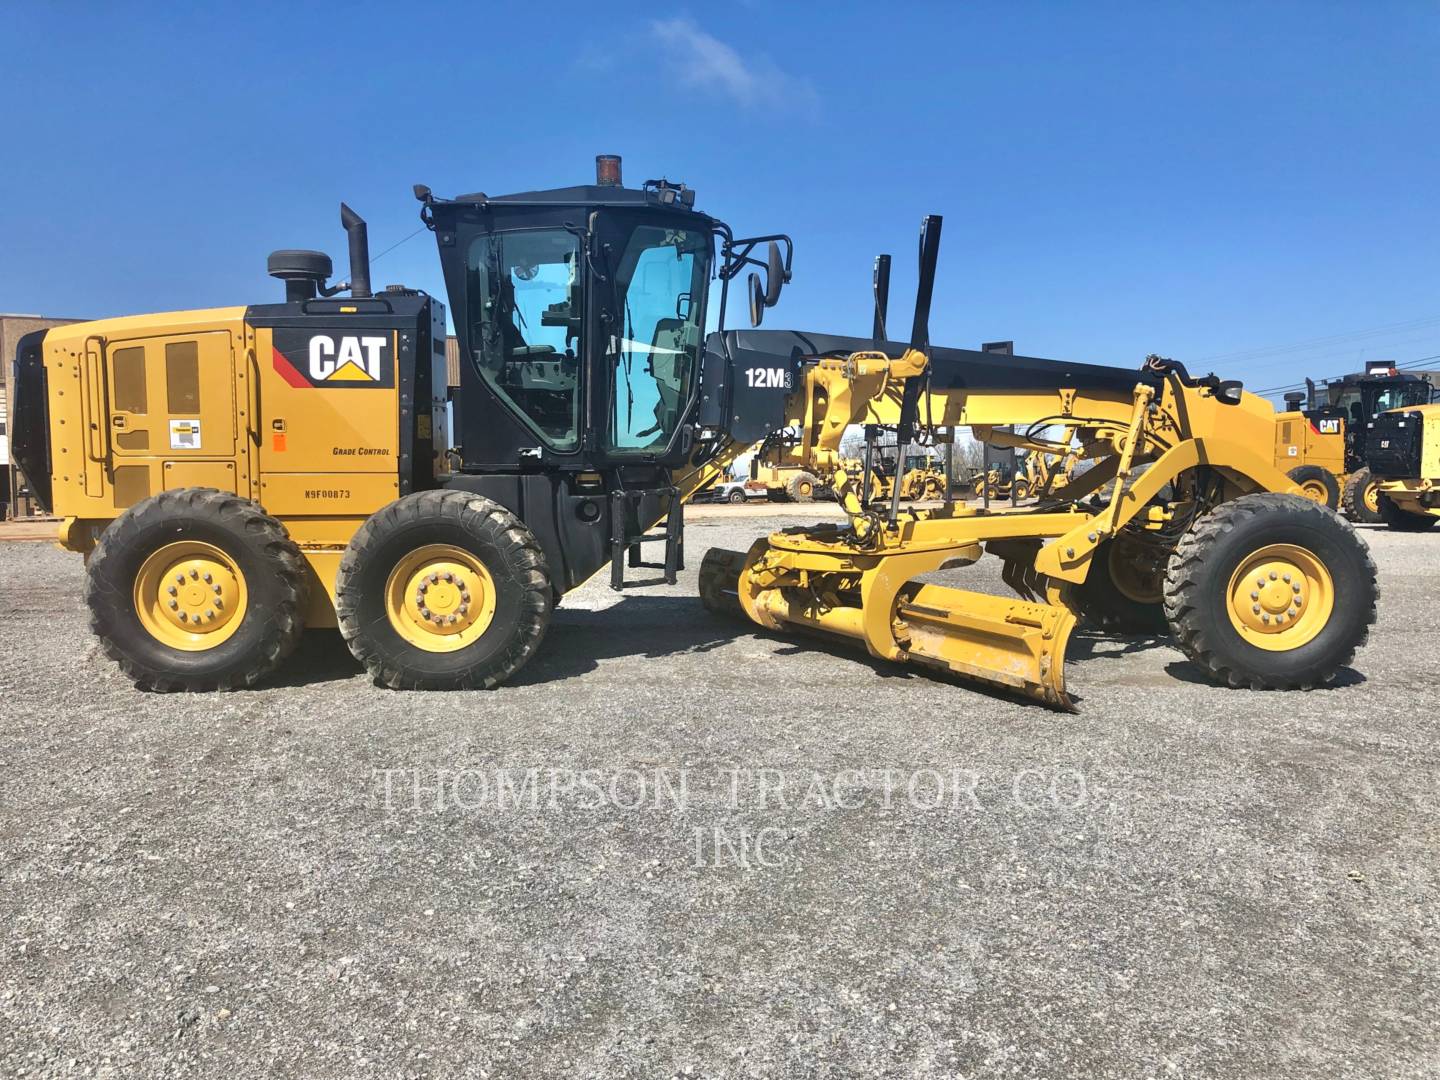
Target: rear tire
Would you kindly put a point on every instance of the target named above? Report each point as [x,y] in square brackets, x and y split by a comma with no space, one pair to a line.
[1020,491]
[1318,485]
[1313,582]
[735,497]
[1361,501]
[1402,520]
[240,590]
[801,488]
[470,559]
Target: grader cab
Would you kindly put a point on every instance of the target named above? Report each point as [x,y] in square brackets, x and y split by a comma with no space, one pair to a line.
[236,475]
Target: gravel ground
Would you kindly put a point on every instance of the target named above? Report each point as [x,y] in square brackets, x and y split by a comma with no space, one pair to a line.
[740,855]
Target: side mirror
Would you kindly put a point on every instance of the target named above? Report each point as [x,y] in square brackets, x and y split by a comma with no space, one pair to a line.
[1229,391]
[757,300]
[774,275]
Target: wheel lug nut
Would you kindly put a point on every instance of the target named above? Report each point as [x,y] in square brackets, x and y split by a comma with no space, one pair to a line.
[433,578]
[179,579]
[219,603]
[1273,575]
[1265,618]
[448,577]
[1295,587]
[173,605]
[208,579]
[1254,595]
[1260,582]
[1256,609]
[171,590]
[464,598]
[184,617]
[194,574]
[217,589]
[1287,578]
[210,614]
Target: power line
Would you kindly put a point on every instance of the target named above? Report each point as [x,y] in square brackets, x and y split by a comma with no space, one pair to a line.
[1330,339]
[395,245]
[1331,378]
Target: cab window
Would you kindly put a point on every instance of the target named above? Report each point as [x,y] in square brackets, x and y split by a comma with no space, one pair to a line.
[653,360]
[525,296]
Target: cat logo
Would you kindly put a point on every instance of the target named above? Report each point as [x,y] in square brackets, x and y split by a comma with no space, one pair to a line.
[356,359]
[334,359]
[1329,427]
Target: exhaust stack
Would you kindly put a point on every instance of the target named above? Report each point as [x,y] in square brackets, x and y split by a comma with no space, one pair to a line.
[359,251]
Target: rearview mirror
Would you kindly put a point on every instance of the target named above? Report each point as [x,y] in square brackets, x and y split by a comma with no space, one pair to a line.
[757,300]
[774,275]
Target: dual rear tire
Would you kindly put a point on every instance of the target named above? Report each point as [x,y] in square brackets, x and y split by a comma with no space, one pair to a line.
[198,589]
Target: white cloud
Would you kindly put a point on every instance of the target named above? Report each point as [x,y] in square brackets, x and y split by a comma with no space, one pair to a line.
[704,62]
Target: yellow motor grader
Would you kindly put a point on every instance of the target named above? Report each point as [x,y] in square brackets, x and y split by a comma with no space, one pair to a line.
[1038,473]
[236,475]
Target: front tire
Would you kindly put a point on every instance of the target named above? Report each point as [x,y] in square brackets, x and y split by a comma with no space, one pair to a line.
[1271,591]
[1125,589]
[196,589]
[1361,499]
[735,497]
[443,590]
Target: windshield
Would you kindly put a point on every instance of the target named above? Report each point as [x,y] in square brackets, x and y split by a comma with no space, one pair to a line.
[660,281]
[1402,396]
[525,302]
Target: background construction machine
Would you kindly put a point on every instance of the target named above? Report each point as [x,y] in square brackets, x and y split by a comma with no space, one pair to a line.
[1310,449]
[1036,473]
[1403,450]
[1330,422]
[237,474]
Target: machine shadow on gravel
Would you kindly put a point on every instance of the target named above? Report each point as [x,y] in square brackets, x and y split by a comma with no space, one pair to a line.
[1185,671]
[577,640]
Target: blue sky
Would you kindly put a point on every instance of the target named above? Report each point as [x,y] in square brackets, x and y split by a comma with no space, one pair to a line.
[1253,188]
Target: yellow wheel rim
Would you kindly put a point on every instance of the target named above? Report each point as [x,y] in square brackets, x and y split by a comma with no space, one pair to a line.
[1371,497]
[190,596]
[440,598]
[1280,597]
[1133,575]
[805,487]
[1315,491]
